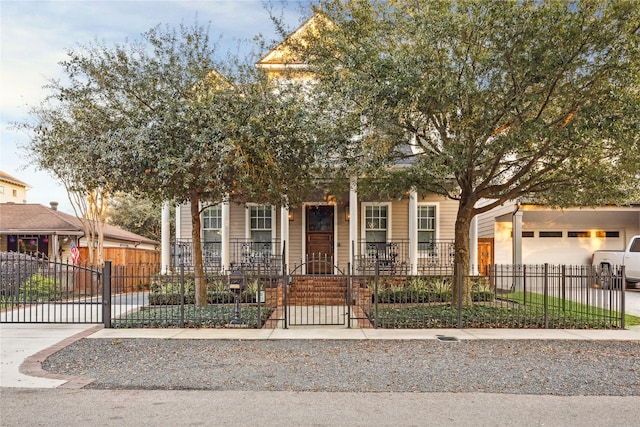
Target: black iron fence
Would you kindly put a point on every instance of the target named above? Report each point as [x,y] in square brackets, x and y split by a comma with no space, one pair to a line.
[541,296]
[527,296]
[248,299]
[36,290]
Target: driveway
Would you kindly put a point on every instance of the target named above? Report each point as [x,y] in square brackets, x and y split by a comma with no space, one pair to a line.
[632,302]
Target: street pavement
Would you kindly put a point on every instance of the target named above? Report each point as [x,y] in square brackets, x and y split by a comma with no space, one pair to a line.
[64,407]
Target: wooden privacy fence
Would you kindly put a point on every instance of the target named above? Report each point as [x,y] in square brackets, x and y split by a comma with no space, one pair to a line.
[140,264]
[124,256]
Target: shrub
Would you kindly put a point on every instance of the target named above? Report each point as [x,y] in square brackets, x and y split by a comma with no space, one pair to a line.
[481,289]
[165,290]
[39,288]
[426,289]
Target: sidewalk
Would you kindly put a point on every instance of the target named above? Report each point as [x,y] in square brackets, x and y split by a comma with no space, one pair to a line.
[25,346]
[343,333]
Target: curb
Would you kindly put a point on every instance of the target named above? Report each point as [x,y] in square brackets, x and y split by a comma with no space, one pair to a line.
[32,365]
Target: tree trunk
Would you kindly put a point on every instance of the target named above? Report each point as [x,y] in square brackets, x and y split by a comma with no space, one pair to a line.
[461,259]
[198,268]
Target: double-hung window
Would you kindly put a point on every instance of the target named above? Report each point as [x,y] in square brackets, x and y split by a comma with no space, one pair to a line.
[376,220]
[212,224]
[261,228]
[212,234]
[376,226]
[427,223]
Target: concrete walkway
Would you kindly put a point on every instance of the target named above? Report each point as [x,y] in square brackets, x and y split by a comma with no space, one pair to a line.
[25,346]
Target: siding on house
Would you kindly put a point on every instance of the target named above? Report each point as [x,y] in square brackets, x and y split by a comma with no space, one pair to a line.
[12,190]
[184,227]
[448,213]
[486,221]
[237,215]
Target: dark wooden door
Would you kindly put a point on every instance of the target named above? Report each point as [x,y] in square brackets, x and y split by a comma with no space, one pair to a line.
[319,239]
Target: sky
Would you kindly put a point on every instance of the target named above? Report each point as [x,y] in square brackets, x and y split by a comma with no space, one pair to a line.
[36,35]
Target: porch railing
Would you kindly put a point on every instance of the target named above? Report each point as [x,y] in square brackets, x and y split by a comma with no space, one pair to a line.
[392,257]
[182,254]
[247,255]
[244,254]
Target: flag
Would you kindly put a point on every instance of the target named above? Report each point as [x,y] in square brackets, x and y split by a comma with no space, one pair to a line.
[75,253]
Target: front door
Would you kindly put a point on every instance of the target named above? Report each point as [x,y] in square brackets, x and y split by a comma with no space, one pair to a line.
[485,255]
[319,239]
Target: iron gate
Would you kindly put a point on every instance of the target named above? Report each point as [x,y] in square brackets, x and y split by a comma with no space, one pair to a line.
[37,290]
[317,299]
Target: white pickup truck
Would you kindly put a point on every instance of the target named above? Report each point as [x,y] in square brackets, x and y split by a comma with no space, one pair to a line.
[629,258]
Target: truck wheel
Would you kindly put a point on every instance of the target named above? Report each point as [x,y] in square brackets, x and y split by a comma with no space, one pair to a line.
[633,285]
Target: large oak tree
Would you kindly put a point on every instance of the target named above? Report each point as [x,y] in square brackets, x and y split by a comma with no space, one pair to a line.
[485,100]
[161,117]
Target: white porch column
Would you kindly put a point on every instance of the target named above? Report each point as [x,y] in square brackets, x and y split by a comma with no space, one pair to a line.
[353,219]
[473,247]
[284,233]
[516,238]
[224,236]
[165,232]
[178,222]
[413,231]
[516,241]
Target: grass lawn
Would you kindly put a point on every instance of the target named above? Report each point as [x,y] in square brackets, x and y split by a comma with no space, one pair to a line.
[555,304]
[512,310]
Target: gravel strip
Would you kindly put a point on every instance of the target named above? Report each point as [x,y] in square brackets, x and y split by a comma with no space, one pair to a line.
[563,368]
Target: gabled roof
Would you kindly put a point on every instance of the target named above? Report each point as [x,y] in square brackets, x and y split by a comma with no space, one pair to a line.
[28,218]
[11,180]
[281,55]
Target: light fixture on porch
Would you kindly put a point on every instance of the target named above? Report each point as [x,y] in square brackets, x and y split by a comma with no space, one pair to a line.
[347,215]
[329,199]
[290,216]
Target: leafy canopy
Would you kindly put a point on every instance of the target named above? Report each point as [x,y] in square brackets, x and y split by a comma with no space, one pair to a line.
[486,99]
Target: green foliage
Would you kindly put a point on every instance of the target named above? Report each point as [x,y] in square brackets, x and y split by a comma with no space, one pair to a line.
[39,288]
[496,97]
[512,310]
[212,316]
[137,215]
[426,289]
[159,117]
[487,316]
[482,100]
[166,290]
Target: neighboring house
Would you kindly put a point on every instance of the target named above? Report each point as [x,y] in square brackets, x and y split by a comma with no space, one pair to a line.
[408,235]
[12,190]
[37,229]
[557,236]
